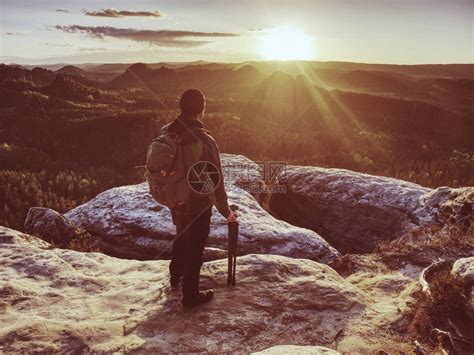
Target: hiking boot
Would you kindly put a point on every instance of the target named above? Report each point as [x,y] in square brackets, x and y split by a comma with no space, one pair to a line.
[202,297]
[174,281]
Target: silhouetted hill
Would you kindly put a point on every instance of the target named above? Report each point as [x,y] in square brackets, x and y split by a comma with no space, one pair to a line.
[397,116]
[67,88]
[231,81]
[163,80]
[375,81]
[292,67]
[454,94]
[425,70]
[119,68]
[8,72]
[85,77]
[287,103]
[71,70]
[281,98]
[38,76]
[131,77]
[421,70]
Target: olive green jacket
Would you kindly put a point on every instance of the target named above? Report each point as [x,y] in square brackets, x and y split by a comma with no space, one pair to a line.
[199,146]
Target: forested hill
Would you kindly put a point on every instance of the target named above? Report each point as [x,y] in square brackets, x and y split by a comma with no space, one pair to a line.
[66,135]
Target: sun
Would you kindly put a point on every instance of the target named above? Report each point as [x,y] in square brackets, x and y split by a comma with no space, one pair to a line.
[287,43]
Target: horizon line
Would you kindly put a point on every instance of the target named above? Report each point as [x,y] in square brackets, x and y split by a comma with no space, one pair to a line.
[238,62]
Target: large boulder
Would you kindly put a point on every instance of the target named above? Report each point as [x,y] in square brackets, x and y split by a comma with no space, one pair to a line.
[355,212]
[445,204]
[463,270]
[50,225]
[131,223]
[58,300]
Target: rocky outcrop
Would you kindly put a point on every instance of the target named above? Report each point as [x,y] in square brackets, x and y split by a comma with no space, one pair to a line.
[57,300]
[50,225]
[463,270]
[297,350]
[355,211]
[352,211]
[445,204]
[131,224]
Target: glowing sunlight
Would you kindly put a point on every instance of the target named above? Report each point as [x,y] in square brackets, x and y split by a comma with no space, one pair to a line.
[287,43]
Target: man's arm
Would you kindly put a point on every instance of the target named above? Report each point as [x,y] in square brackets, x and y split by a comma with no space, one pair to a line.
[220,195]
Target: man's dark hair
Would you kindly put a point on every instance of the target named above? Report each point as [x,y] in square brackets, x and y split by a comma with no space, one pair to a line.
[192,102]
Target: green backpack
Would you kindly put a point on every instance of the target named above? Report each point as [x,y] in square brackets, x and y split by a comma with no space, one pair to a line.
[165,171]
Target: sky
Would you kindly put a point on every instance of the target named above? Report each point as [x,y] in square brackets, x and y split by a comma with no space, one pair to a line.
[370,31]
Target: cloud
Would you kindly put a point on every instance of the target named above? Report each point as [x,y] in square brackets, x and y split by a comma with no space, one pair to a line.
[14,33]
[62,10]
[123,13]
[58,44]
[84,49]
[166,38]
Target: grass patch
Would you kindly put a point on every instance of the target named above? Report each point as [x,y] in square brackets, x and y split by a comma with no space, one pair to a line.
[81,241]
[423,245]
[441,321]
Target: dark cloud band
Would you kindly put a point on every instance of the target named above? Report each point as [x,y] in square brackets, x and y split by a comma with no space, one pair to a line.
[123,13]
[169,38]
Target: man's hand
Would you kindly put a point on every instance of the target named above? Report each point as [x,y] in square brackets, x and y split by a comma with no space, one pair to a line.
[232,217]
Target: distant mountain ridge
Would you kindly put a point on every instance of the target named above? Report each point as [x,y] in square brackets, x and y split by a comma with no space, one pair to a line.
[245,81]
[72,70]
[225,81]
[461,70]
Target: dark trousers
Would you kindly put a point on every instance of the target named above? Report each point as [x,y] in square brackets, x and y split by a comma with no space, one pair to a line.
[192,230]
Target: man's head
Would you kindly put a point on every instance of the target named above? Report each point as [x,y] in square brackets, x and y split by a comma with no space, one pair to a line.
[192,102]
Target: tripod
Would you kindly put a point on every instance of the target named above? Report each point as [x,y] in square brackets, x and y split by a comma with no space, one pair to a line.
[232,252]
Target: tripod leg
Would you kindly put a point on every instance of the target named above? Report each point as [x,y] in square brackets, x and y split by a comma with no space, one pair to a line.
[234,266]
[229,269]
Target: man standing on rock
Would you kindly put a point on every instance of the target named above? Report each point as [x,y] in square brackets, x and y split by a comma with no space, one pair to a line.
[202,162]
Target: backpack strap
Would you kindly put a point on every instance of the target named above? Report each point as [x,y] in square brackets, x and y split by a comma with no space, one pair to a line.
[164,129]
[195,132]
